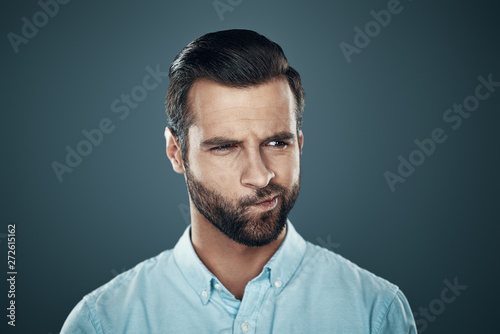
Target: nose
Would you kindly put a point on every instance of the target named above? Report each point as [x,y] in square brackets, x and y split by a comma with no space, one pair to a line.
[255,172]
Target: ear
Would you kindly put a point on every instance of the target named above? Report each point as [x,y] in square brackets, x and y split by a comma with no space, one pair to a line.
[301,140]
[174,153]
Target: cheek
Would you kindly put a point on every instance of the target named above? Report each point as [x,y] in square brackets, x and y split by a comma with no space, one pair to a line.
[287,171]
[214,174]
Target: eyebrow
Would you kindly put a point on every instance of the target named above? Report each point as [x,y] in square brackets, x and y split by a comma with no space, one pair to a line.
[221,140]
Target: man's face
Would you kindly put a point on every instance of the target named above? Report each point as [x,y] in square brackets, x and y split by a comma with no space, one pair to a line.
[243,163]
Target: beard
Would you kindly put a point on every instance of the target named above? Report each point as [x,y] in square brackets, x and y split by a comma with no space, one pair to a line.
[235,220]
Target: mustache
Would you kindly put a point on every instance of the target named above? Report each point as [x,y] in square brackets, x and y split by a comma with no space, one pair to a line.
[262,194]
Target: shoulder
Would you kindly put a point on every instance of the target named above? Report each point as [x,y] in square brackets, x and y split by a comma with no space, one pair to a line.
[357,291]
[342,270]
[119,295]
[142,276]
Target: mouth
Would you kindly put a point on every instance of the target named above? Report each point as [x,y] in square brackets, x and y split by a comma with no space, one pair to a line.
[267,204]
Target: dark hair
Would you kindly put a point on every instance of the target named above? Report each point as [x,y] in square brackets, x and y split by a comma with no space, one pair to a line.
[234,58]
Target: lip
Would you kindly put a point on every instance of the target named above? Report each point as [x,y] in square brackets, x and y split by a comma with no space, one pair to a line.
[270,198]
[269,204]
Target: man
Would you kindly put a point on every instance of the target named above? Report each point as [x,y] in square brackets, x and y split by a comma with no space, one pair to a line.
[235,110]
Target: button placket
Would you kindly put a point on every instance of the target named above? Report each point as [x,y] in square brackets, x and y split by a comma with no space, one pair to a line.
[249,311]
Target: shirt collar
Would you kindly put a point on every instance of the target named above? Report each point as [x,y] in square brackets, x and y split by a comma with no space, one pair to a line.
[281,266]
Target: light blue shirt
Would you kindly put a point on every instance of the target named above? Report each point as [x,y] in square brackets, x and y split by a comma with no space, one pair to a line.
[303,288]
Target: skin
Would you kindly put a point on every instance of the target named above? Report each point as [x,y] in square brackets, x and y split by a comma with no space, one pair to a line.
[249,158]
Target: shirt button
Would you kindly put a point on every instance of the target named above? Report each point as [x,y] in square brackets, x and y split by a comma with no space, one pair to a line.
[204,294]
[278,283]
[245,326]
[218,286]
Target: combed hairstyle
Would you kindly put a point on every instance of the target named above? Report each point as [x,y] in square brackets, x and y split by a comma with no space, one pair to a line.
[234,58]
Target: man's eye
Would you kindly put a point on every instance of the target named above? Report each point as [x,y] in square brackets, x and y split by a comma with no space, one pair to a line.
[278,144]
[222,148]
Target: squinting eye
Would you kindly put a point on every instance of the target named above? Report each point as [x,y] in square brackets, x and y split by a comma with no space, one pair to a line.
[278,144]
[222,148]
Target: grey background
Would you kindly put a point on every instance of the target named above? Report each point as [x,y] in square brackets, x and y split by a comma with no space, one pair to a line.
[124,204]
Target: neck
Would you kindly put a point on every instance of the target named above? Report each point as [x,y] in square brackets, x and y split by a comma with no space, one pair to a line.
[232,263]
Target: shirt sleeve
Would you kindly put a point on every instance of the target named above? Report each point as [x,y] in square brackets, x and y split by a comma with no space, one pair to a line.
[79,321]
[399,318]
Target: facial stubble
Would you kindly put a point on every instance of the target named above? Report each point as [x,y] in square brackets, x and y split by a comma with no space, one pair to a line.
[234,219]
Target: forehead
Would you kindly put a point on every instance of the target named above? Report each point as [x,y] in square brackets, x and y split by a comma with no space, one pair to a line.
[261,110]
